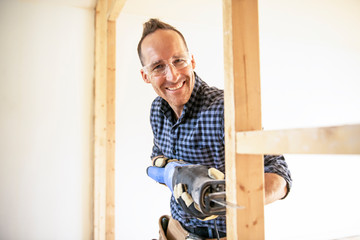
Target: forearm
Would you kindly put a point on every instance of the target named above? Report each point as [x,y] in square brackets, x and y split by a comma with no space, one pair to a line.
[275,187]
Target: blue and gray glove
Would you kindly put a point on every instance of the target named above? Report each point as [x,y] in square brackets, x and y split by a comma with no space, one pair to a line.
[186,182]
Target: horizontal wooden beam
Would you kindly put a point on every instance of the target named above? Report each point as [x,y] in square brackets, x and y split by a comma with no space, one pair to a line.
[324,140]
[114,9]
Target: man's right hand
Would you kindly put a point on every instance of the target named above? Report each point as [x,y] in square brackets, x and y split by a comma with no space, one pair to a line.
[185,191]
[185,181]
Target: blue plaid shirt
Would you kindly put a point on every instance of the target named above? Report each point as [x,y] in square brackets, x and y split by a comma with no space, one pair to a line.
[198,137]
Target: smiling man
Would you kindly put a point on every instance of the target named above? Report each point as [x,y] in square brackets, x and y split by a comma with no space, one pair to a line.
[172,79]
[187,120]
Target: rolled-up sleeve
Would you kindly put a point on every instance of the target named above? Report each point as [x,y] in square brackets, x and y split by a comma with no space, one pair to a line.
[277,164]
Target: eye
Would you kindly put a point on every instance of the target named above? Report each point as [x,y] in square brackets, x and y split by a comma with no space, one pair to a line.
[179,61]
[158,68]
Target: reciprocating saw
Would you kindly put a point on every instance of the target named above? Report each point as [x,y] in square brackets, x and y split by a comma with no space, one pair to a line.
[207,193]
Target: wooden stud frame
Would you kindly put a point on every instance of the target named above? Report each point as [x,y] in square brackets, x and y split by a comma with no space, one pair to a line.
[323,140]
[244,173]
[245,142]
[100,112]
[107,12]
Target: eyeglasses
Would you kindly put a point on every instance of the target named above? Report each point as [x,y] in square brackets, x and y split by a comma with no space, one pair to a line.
[161,67]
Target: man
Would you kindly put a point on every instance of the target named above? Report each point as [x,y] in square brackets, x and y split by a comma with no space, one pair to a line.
[187,119]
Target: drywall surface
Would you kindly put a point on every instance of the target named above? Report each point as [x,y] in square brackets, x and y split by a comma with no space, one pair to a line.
[310,68]
[46,108]
[310,63]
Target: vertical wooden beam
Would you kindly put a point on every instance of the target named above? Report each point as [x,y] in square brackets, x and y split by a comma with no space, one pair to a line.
[100,120]
[244,173]
[107,12]
[110,164]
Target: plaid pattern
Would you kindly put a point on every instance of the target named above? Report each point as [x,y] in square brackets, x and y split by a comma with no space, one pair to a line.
[198,137]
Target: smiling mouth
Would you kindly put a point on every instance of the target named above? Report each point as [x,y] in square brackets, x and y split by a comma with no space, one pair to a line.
[176,87]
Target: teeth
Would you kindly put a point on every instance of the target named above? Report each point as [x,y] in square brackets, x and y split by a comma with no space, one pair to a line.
[176,87]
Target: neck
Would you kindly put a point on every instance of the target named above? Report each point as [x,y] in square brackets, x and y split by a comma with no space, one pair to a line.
[177,112]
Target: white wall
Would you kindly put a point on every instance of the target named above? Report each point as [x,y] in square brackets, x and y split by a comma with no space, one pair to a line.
[310,69]
[46,92]
[310,63]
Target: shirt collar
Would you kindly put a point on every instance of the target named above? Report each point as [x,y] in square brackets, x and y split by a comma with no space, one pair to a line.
[194,98]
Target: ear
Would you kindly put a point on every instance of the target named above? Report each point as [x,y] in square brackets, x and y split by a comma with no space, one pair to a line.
[193,63]
[145,76]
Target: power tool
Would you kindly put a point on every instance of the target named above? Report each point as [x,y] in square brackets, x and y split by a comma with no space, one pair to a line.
[206,192]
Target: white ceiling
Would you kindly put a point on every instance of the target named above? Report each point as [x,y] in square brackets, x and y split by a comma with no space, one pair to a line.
[184,10]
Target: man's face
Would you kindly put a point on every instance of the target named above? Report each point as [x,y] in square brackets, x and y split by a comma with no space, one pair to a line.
[175,86]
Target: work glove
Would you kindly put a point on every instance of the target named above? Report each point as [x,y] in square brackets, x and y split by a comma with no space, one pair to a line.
[184,180]
[183,186]
[158,173]
[161,161]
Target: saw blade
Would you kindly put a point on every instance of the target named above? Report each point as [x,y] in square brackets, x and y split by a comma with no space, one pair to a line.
[227,204]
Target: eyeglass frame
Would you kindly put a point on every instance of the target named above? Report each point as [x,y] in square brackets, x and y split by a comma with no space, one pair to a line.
[168,63]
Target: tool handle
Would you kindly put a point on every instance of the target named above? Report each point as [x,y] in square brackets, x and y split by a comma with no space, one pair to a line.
[156,173]
[165,174]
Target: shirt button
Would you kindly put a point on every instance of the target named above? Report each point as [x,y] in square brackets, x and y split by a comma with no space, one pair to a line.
[174,151]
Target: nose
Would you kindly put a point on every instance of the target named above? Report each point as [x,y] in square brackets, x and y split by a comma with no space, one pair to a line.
[171,73]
